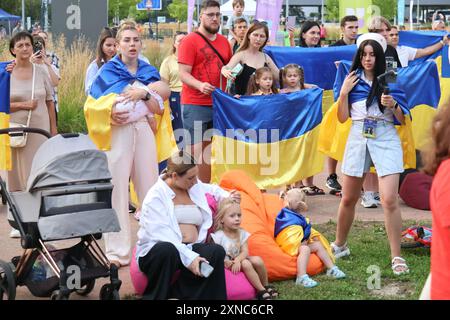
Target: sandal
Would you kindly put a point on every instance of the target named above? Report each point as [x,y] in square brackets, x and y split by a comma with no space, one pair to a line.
[306,281]
[272,291]
[263,295]
[313,191]
[401,264]
[335,273]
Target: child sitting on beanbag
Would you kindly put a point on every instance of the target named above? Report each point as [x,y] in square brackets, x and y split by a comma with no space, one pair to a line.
[293,233]
[229,234]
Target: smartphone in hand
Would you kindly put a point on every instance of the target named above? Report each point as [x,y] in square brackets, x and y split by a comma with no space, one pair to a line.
[205,269]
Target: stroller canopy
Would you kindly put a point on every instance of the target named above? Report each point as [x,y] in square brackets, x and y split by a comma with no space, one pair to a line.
[62,160]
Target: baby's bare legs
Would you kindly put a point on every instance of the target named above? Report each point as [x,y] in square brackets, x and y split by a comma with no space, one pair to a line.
[302,260]
[322,253]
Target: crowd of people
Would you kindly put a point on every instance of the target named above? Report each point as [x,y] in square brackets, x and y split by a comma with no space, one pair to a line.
[175,217]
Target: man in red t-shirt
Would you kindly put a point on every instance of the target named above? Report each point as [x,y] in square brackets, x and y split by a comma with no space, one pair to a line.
[199,68]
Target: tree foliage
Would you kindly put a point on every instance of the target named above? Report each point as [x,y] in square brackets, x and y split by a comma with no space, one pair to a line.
[178,10]
[332,10]
[388,8]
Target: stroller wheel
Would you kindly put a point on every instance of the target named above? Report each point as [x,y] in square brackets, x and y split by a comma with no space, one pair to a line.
[56,295]
[107,294]
[87,288]
[7,282]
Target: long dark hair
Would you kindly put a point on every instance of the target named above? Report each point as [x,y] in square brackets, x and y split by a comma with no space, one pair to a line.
[308,24]
[105,34]
[380,67]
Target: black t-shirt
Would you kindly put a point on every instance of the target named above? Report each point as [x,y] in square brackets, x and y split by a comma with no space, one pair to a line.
[392,52]
[339,43]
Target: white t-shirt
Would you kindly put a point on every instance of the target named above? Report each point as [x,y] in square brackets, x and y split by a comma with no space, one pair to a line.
[359,111]
[406,54]
[232,246]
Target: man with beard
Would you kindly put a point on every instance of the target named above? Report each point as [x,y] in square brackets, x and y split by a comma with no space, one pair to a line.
[201,56]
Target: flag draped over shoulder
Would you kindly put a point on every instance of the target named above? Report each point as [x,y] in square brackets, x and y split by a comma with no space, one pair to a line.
[273,138]
[113,77]
[5,150]
[420,85]
[318,64]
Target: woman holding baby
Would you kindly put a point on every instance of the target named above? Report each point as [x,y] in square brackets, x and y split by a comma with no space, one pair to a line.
[122,100]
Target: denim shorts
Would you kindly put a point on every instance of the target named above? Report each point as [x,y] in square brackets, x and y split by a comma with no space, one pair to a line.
[384,152]
[196,121]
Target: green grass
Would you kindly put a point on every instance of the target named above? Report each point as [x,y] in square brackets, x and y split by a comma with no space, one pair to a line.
[369,246]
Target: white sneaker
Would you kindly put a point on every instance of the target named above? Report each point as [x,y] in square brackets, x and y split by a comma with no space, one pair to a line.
[377,198]
[14,233]
[340,252]
[368,200]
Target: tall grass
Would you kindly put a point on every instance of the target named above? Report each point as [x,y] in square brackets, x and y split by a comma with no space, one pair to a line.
[157,50]
[74,61]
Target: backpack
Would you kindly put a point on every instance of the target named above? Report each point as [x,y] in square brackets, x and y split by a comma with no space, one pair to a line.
[417,236]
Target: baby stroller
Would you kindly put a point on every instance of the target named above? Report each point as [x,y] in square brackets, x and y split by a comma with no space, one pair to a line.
[68,196]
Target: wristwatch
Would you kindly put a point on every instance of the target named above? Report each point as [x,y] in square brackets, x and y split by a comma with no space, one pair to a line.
[395,105]
[154,94]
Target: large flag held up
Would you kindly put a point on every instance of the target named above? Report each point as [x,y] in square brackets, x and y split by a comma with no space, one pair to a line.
[272,138]
[318,64]
[5,150]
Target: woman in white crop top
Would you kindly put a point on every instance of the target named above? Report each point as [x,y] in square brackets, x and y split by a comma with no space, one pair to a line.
[174,223]
[373,141]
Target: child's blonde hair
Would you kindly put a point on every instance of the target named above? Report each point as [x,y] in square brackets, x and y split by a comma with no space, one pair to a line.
[253,86]
[301,73]
[295,200]
[223,208]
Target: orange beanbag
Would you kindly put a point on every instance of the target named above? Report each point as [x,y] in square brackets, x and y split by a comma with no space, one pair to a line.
[259,211]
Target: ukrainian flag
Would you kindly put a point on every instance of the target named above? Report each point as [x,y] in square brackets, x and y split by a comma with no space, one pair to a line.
[318,64]
[5,150]
[425,112]
[112,79]
[272,138]
[420,84]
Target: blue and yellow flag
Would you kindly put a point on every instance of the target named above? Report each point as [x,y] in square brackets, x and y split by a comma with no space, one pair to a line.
[272,138]
[426,112]
[318,64]
[420,84]
[113,77]
[5,150]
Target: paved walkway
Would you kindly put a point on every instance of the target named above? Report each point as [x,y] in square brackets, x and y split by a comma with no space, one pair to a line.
[322,210]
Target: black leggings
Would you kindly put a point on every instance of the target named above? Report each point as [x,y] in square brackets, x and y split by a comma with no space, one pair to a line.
[163,260]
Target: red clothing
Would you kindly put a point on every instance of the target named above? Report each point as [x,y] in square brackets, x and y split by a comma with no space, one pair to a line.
[440,247]
[206,65]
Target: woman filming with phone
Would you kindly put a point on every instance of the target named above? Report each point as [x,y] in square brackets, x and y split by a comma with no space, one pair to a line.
[39,57]
[373,141]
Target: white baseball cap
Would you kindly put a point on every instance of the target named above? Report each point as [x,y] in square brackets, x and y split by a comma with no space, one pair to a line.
[372,36]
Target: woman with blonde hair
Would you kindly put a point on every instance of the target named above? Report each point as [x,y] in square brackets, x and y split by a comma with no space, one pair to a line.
[124,94]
